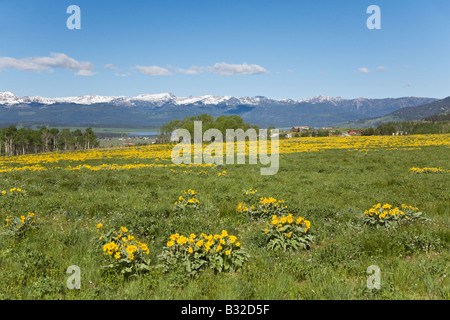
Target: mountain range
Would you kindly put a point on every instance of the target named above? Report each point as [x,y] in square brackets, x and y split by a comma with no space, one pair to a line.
[156,109]
[439,107]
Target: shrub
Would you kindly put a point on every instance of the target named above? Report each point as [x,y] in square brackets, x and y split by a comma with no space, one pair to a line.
[19,226]
[288,232]
[123,253]
[220,252]
[388,217]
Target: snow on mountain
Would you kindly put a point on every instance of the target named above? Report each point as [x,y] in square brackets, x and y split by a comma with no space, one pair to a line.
[251,100]
[37,99]
[89,99]
[206,99]
[321,99]
[159,98]
[7,97]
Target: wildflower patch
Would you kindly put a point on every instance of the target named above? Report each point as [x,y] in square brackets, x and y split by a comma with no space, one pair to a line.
[389,217]
[123,252]
[19,226]
[288,232]
[220,252]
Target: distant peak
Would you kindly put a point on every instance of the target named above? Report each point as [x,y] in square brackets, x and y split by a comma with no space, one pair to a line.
[321,98]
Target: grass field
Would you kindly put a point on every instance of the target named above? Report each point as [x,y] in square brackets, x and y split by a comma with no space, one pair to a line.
[328,181]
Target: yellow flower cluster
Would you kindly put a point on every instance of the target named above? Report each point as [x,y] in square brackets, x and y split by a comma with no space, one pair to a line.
[222,174]
[204,243]
[241,207]
[280,223]
[20,225]
[383,211]
[406,207]
[221,252]
[110,248]
[389,216]
[190,192]
[123,244]
[428,170]
[271,202]
[13,191]
[286,232]
[260,207]
[31,168]
[250,191]
[189,199]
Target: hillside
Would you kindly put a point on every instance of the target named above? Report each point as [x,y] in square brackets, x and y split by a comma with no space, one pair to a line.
[427,111]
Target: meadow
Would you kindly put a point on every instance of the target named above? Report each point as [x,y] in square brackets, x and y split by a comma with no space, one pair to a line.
[140,227]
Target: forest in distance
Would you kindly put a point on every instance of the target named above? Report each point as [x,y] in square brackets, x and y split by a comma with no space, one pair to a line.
[14,141]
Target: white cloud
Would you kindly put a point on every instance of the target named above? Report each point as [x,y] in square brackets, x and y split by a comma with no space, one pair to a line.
[222,69]
[153,71]
[55,60]
[110,66]
[192,70]
[86,73]
[381,69]
[363,70]
[226,69]
[407,85]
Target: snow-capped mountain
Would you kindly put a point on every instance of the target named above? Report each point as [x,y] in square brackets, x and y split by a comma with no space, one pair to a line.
[9,98]
[322,99]
[90,99]
[156,99]
[156,109]
[206,99]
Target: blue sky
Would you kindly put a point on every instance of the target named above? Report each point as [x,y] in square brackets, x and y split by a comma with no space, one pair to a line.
[279,49]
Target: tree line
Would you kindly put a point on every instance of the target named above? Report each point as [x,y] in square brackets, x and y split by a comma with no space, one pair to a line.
[409,127]
[22,141]
[316,133]
[221,123]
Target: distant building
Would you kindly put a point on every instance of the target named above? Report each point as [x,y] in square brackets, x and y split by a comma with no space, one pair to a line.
[299,129]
